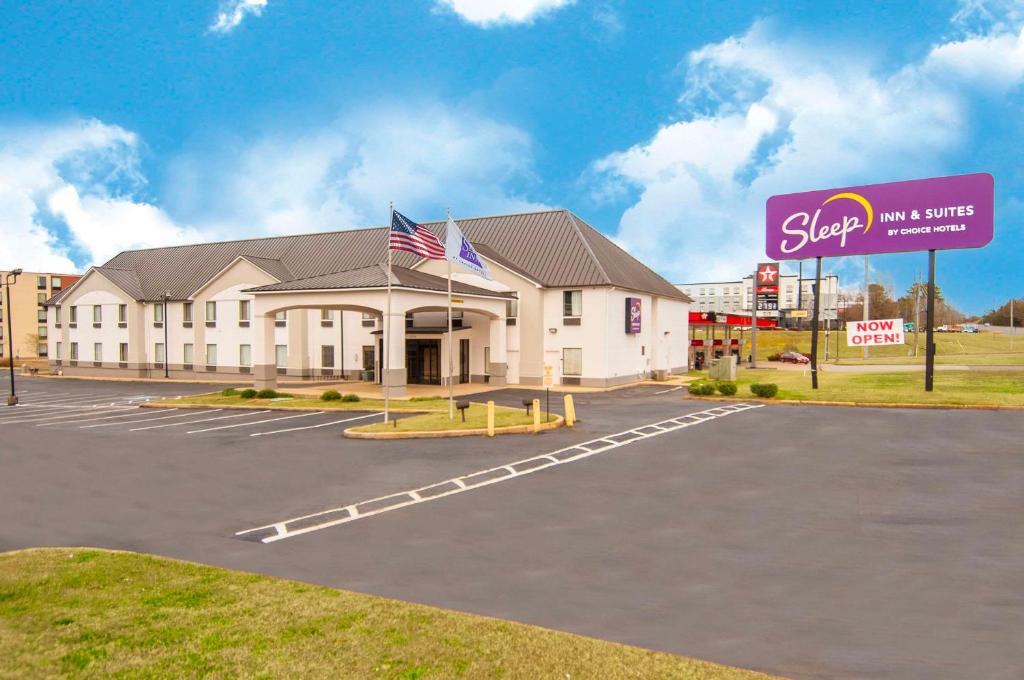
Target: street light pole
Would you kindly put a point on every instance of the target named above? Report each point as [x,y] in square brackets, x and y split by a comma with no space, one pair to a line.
[11,279]
[167,349]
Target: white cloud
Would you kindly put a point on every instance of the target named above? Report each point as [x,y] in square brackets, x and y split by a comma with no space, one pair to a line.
[777,117]
[493,12]
[345,173]
[232,12]
[67,194]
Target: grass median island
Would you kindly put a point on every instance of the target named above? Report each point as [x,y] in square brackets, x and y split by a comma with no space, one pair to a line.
[476,418]
[307,402]
[983,388]
[95,613]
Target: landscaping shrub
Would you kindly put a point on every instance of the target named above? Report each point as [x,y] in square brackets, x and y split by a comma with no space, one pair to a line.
[267,394]
[764,390]
[229,392]
[247,393]
[430,398]
[775,357]
[331,395]
[702,389]
[350,397]
[726,389]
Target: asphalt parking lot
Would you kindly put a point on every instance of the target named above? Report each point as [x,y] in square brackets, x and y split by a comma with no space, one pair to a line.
[805,541]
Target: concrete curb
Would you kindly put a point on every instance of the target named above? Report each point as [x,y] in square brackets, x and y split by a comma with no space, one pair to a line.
[268,407]
[512,429]
[866,404]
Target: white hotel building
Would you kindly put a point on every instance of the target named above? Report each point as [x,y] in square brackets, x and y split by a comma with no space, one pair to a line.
[315,305]
[736,297]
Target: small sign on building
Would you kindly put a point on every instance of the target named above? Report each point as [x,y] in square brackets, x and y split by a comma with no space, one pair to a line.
[633,313]
[874,332]
[548,375]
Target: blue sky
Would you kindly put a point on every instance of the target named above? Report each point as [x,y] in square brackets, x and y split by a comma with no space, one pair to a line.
[664,124]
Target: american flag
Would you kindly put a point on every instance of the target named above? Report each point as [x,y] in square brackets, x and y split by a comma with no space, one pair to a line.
[414,238]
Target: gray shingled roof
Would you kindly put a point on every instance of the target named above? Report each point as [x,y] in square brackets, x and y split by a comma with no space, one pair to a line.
[376,276]
[554,248]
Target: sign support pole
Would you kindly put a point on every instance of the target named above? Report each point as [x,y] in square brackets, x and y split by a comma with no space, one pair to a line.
[814,325]
[451,337]
[929,350]
[753,320]
[386,354]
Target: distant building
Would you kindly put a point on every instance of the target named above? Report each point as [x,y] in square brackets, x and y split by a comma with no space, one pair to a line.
[736,297]
[28,294]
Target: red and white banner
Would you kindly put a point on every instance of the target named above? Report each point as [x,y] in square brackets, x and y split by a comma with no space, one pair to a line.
[874,332]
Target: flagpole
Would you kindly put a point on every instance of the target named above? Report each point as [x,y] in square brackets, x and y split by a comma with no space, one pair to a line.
[386,354]
[451,337]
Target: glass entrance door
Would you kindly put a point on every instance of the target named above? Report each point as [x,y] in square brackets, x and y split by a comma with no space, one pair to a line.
[423,362]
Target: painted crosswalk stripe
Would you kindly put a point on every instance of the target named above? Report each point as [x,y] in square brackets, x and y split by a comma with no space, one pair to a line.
[201,420]
[313,427]
[258,422]
[296,526]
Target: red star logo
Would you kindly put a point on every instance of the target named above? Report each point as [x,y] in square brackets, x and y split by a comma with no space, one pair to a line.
[767,274]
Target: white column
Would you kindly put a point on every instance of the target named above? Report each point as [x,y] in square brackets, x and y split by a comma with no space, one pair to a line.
[298,343]
[394,350]
[498,369]
[264,369]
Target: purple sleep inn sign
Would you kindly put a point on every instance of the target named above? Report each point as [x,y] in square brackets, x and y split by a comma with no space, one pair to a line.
[922,214]
[632,315]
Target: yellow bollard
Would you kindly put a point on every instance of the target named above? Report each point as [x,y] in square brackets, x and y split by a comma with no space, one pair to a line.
[570,411]
[536,415]
[490,419]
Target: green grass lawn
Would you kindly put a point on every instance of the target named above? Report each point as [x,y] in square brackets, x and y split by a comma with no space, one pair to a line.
[73,612]
[950,348]
[989,388]
[476,418]
[302,401]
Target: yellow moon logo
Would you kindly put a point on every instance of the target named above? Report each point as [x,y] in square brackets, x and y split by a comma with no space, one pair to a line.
[858,199]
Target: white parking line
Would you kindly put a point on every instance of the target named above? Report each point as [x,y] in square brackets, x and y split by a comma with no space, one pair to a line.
[55,399]
[258,422]
[201,420]
[135,412]
[22,415]
[501,473]
[41,417]
[670,390]
[143,420]
[313,427]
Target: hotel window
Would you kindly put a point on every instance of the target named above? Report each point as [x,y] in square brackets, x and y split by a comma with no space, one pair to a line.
[326,318]
[281,319]
[159,353]
[512,309]
[457,319]
[122,315]
[186,312]
[327,356]
[122,352]
[41,298]
[245,355]
[188,353]
[59,350]
[572,361]
[74,351]
[244,311]
[41,282]
[55,283]
[97,352]
[701,291]
[73,315]
[281,356]
[211,313]
[97,315]
[41,315]
[487,360]
[572,303]
[369,320]
[158,313]
[211,355]
[42,331]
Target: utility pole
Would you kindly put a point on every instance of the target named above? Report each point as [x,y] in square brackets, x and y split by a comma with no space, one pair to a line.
[1012,329]
[867,296]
